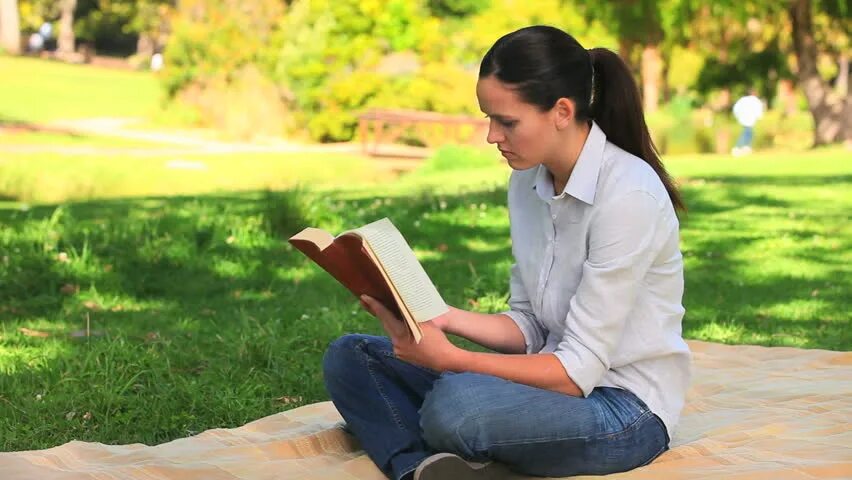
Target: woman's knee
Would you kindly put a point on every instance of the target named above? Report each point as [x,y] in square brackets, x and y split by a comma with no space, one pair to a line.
[451,416]
[341,353]
[346,352]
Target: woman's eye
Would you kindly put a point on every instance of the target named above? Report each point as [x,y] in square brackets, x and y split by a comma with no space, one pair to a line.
[508,123]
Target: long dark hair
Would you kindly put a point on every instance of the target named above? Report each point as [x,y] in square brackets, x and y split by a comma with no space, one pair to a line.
[544,64]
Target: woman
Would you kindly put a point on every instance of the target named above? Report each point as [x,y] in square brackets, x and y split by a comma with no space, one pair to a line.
[592,370]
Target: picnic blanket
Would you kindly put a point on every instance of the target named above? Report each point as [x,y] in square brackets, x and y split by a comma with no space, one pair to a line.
[752,413]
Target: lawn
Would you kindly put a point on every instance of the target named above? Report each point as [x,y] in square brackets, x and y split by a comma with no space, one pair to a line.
[40,91]
[200,315]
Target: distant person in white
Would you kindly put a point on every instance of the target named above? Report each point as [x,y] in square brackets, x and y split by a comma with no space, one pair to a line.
[157,62]
[589,370]
[35,42]
[747,111]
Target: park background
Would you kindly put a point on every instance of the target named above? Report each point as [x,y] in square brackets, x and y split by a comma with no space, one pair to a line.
[147,291]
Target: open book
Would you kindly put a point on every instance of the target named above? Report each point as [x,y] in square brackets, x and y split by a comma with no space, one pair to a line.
[376,260]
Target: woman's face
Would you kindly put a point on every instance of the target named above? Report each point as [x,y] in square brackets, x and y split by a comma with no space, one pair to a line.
[524,134]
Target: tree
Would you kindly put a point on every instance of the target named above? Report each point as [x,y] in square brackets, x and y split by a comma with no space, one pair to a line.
[65,43]
[638,23]
[832,112]
[10,27]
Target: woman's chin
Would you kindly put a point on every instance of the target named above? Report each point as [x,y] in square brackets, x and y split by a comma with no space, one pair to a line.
[516,163]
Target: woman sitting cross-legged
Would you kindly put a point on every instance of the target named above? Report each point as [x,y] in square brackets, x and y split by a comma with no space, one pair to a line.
[591,370]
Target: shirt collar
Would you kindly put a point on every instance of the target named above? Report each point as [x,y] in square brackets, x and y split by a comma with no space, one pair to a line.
[583,182]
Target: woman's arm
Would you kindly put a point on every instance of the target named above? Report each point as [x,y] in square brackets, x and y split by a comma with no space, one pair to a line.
[495,331]
[436,352]
[541,370]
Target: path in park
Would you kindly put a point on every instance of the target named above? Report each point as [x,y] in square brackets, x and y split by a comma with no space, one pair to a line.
[183,142]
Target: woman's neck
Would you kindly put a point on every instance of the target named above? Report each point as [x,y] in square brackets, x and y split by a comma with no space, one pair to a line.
[566,158]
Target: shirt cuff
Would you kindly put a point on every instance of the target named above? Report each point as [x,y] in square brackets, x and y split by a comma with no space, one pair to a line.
[583,366]
[533,337]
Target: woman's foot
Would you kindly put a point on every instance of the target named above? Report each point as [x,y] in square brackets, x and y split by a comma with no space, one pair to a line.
[448,466]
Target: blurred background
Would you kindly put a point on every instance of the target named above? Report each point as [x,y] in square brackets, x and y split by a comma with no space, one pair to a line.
[305,69]
[156,155]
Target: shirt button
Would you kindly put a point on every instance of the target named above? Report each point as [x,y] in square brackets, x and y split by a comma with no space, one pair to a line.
[554,216]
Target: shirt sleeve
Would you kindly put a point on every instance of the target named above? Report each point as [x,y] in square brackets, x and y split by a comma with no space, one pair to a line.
[522,314]
[622,245]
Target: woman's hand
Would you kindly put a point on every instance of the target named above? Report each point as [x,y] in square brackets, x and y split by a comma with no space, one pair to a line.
[443,321]
[434,351]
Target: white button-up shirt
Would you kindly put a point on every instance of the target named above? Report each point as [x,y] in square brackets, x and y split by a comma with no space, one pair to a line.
[598,275]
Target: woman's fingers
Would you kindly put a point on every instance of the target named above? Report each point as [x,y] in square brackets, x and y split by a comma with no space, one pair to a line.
[366,306]
[392,325]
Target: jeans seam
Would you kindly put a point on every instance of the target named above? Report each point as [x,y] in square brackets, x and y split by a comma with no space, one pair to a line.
[410,469]
[654,457]
[586,438]
[665,443]
[394,414]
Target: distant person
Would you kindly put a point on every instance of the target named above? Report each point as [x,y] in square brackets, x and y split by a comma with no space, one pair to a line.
[747,111]
[46,30]
[35,43]
[157,62]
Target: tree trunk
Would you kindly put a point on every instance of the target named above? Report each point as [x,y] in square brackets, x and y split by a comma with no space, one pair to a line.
[65,43]
[787,96]
[652,74]
[832,113]
[841,86]
[145,45]
[10,27]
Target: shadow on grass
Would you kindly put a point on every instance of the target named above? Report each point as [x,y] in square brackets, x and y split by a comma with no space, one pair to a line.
[211,320]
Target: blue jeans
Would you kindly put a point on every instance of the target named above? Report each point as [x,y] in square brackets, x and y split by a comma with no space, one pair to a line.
[745,137]
[402,413]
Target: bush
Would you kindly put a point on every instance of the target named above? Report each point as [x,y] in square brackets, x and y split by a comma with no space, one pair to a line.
[246,106]
[214,39]
[457,157]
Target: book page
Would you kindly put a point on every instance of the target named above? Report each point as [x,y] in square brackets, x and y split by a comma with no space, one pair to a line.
[409,320]
[402,267]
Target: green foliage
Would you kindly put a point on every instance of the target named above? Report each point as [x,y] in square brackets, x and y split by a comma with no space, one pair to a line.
[687,66]
[106,24]
[214,39]
[35,12]
[435,87]
[332,60]
[455,158]
[457,8]
[744,70]
[329,53]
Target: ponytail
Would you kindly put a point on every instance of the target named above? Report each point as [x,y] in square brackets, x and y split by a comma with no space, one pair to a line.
[617,109]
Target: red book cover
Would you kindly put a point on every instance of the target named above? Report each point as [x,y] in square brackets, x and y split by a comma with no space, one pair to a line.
[348,261]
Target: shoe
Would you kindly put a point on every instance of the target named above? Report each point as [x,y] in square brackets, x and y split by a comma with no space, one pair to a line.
[447,466]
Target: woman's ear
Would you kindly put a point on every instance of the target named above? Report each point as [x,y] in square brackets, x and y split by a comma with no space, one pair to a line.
[564,111]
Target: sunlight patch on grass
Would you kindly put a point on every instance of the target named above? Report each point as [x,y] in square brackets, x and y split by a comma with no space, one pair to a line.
[720,332]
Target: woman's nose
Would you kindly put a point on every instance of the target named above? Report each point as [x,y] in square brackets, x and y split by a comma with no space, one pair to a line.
[494,135]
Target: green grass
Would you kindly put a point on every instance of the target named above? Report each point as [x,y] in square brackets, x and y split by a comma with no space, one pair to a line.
[205,317]
[38,91]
